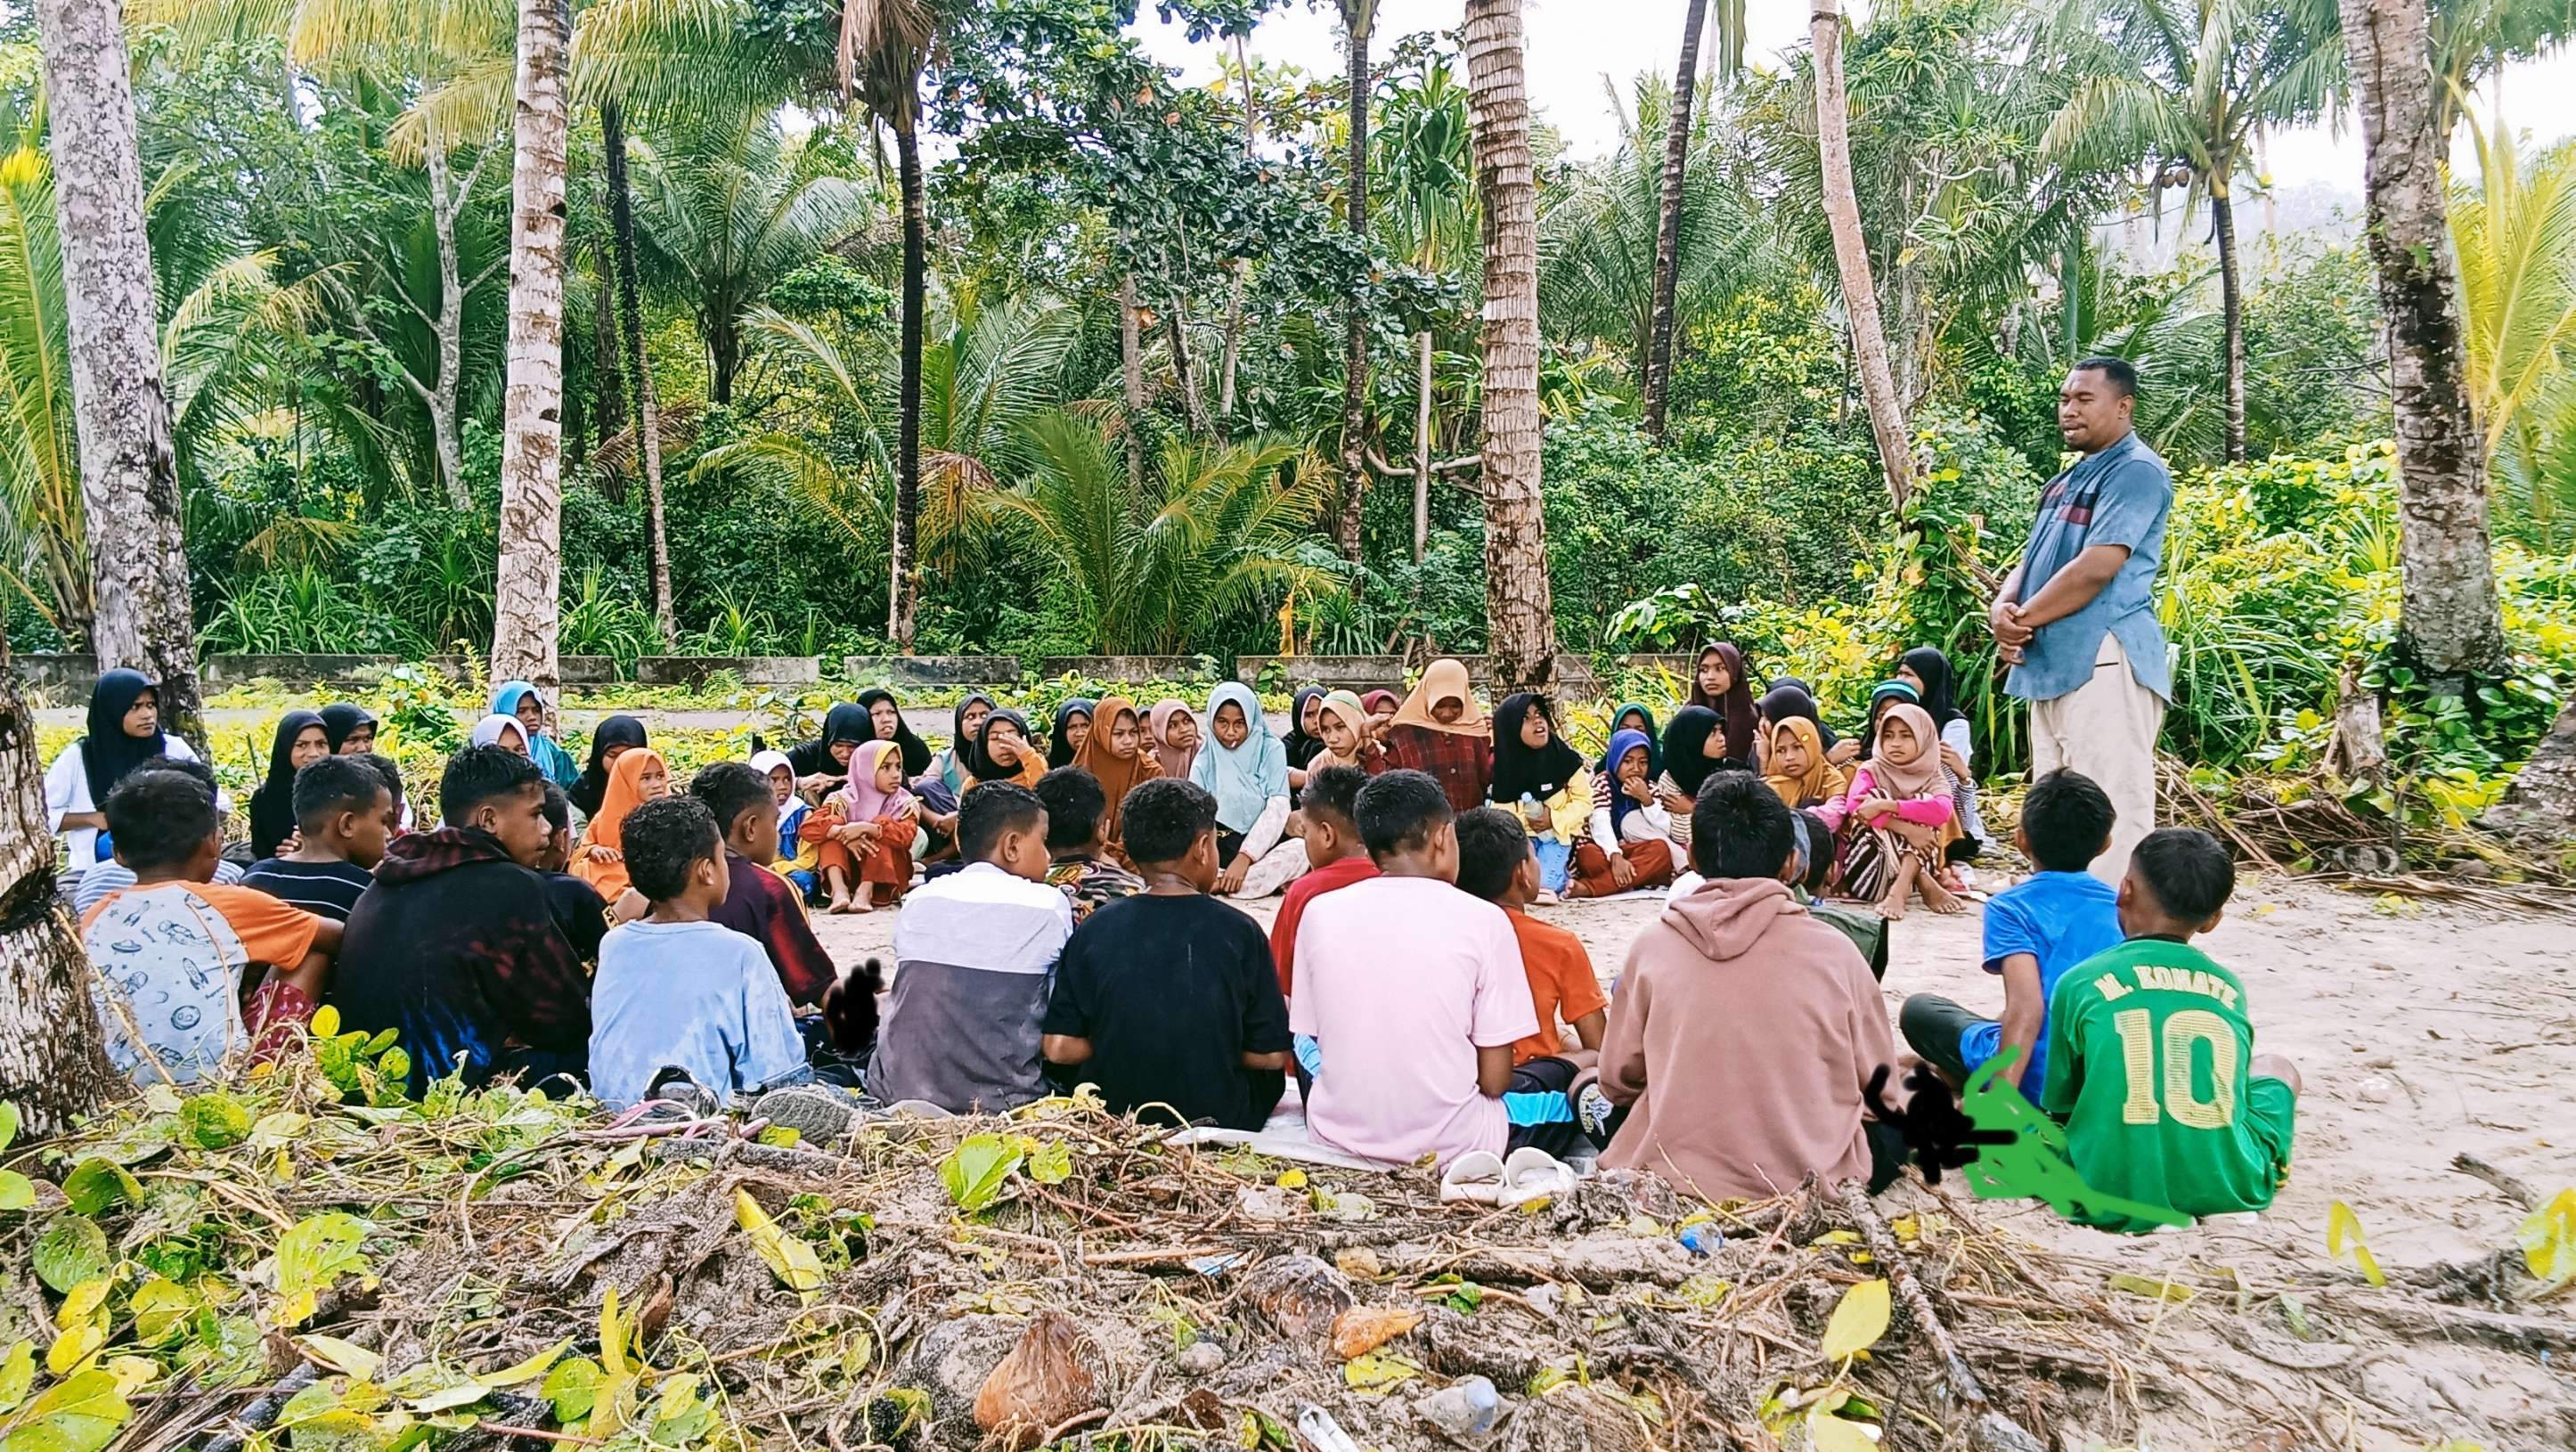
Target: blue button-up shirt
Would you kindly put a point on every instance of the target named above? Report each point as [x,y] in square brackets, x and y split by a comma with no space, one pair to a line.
[2119,496]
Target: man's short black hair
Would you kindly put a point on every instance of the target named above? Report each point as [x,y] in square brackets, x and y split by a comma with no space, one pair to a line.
[384,767]
[1163,818]
[664,838]
[730,788]
[478,774]
[159,818]
[2067,817]
[1817,841]
[1074,803]
[558,808]
[1335,792]
[990,810]
[1740,827]
[333,785]
[1399,812]
[2122,373]
[1492,845]
[187,766]
[2185,867]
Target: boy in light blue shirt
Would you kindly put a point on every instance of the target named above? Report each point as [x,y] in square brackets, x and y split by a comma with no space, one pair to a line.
[676,991]
[2035,931]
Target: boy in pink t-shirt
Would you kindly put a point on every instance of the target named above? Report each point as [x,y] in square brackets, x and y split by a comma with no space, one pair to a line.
[1412,991]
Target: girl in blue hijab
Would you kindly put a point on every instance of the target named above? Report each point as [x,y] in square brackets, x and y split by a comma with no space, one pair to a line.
[518,698]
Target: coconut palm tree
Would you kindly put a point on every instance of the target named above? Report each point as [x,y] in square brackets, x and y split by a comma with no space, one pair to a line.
[731,204]
[2473,39]
[1214,534]
[53,1065]
[2180,89]
[129,467]
[526,603]
[991,368]
[1600,238]
[1851,255]
[1520,611]
[884,46]
[1668,219]
[2515,235]
[2449,618]
[1358,18]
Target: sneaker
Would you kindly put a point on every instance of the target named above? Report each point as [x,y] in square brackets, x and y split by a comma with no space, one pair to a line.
[686,1096]
[1593,1110]
[818,1113]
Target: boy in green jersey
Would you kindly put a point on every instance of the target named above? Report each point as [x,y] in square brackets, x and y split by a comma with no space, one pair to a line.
[2151,1051]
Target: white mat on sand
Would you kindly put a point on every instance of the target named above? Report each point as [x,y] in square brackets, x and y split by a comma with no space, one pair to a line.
[1284,1137]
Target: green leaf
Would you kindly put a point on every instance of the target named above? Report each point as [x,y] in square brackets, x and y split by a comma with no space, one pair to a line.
[81,1414]
[2549,1240]
[1833,1434]
[1376,1374]
[1858,1320]
[395,1066]
[1052,1163]
[17,1374]
[72,1250]
[95,1186]
[17,1192]
[571,1387]
[789,1258]
[975,1170]
[8,1124]
[315,1252]
[2343,1229]
[214,1121]
[2151,1287]
[161,1310]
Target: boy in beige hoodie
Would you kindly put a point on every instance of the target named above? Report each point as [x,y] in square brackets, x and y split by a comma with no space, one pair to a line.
[1745,1033]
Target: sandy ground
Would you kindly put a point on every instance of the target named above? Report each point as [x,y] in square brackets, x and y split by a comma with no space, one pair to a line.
[2420,1034]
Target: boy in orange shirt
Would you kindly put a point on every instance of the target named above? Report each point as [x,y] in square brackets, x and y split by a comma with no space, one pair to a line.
[174,951]
[1495,863]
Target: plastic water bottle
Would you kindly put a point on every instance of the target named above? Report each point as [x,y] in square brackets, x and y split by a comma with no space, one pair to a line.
[1468,1407]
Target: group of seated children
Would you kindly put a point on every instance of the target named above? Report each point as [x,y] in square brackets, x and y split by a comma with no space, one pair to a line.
[1404,983]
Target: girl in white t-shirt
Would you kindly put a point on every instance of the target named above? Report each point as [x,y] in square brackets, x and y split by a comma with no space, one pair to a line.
[124,732]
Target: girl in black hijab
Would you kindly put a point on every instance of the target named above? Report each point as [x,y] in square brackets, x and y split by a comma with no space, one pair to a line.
[348,728]
[1060,743]
[1789,697]
[608,741]
[1929,671]
[885,715]
[301,738]
[124,732]
[1302,741]
[1521,769]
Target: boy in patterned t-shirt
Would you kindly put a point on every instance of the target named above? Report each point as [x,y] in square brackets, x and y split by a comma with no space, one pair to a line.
[2151,1051]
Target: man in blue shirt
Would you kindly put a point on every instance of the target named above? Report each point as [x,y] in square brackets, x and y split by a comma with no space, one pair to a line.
[2076,619]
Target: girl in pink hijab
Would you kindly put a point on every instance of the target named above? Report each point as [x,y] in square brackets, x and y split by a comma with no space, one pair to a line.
[864,831]
[1176,737]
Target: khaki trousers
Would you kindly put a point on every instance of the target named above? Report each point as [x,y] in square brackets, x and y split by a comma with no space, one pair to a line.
[2105,729]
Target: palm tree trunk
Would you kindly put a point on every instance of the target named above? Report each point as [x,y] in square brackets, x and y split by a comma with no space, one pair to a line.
[1422,444]
[1357,17]
[2231,307]
[916,287]
[52,1064]
[1520,612]
[1851,256]
[446,201]
[630,309]
[120,405]
[607,374]
[1131,367]
[1668,222]
[2448,618]
[1242,267]
[527,611]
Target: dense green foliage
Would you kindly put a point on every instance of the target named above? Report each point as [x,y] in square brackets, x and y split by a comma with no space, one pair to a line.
[299,243]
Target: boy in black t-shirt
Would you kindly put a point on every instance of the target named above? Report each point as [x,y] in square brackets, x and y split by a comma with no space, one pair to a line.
[343,816]
[1167,1000]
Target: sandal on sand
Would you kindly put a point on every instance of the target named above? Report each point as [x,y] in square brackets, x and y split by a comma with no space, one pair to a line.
[1475,1176]
[1533,1174]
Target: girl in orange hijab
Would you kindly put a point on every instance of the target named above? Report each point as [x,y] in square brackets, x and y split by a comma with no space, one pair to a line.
[1441,730]
[1118,757]
[639,777]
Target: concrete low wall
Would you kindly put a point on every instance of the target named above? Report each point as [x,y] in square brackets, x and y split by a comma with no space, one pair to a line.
[1369,672]
[751,670]
[932,670]
[1131,667]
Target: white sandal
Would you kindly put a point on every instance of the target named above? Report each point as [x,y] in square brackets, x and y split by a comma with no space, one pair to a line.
[1475,1176]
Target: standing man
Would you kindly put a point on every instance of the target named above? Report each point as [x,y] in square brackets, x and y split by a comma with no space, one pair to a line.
[2076,619]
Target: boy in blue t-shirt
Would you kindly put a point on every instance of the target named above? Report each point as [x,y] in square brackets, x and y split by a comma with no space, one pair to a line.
[2035,931]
